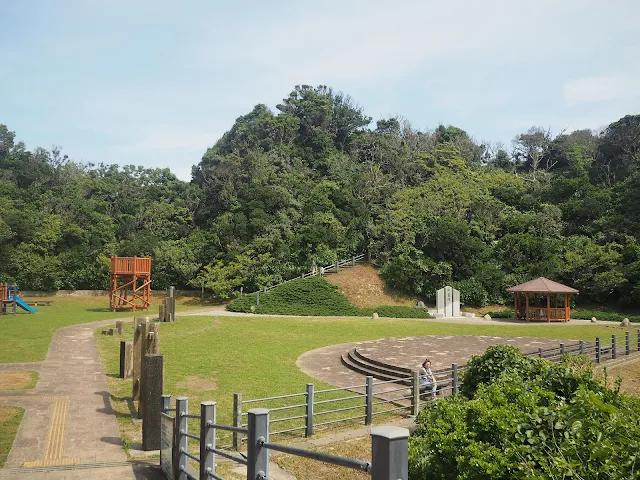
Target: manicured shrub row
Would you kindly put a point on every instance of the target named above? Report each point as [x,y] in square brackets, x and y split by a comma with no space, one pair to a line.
[603,315]
[501,314]
[314,296]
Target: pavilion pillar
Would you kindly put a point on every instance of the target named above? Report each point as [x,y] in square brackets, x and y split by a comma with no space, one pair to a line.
[526,310]
[548,307]
[567,308]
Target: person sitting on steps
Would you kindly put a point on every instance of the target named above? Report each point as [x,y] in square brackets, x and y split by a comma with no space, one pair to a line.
[427,379]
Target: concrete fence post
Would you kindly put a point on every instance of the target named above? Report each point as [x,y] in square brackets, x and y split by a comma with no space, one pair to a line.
[581,347]
[614,353]
[141,329]
[207,439]
[182,409]
[257,455]
[369,405]
[151,400]
[415,393]
[172,296]
[166,403]
[309,420]
[123,359]
[390,453]
[598,350]
[120,327]
[562,349]
[353,261]
[540,352]
[237,420]
[454,379]
[627,343]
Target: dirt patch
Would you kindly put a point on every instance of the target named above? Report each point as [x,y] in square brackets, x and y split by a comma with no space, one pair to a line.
[198,384]
[364,287]
[305,469]
[630,373]
[20,380]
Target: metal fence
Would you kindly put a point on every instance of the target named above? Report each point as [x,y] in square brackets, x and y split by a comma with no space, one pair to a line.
[326,269]
[390,444]
[300,414]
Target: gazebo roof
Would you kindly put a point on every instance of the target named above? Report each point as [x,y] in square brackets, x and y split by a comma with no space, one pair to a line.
[542,285]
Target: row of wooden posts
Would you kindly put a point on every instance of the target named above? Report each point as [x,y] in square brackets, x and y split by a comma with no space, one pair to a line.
[140,360]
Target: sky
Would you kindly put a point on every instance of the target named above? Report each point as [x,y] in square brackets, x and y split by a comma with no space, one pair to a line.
[156,83]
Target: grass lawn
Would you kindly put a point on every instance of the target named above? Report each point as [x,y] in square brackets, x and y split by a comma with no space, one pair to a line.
[210,358]
[25,337]
[18,380]
[10,418]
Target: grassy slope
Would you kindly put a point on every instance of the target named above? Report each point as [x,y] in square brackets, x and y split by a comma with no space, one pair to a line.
[10,418]
[211,358]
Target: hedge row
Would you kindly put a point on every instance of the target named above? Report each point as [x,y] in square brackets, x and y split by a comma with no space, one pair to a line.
[314,296]
[579,314]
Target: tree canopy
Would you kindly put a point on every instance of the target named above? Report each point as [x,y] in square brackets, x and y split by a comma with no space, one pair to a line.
[315,180]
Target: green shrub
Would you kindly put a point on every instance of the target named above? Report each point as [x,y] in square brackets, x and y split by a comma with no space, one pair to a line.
[314,296]
[472,293]
[501,314]
[528,419]
[391,311]
[580,314]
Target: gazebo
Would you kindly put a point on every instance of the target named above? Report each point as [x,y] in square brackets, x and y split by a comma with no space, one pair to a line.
[544,300]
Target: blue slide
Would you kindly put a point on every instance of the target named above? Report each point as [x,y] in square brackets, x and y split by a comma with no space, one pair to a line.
[21,303]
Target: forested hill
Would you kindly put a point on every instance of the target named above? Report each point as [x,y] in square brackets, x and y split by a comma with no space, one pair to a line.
[316,179]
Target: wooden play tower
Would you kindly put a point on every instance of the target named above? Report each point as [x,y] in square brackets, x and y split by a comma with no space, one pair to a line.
[130,283]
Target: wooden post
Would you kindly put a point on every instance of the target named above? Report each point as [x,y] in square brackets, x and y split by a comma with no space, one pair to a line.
[548,307]
[567,308]
[526,311]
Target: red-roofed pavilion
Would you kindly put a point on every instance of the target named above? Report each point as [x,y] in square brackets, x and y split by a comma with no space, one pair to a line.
[539,295]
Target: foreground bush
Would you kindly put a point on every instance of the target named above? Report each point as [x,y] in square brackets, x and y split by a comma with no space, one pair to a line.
[533,420]
[315,296]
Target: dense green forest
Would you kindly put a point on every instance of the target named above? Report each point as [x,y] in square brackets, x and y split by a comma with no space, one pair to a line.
[316,180]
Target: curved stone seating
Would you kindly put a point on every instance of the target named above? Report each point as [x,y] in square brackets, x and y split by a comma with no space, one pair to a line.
[367,366]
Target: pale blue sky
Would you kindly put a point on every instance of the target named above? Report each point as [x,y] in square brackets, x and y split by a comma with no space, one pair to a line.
[157,82]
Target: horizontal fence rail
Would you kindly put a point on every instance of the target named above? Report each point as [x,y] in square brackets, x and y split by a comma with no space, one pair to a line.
[389,443]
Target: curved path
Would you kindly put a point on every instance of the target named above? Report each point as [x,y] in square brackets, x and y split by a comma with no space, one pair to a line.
[324,363]
[69,429]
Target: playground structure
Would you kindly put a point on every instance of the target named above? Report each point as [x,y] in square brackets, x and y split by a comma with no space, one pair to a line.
[130,283]
[10,301]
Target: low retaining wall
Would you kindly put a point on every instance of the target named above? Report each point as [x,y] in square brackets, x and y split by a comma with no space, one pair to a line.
[99,293]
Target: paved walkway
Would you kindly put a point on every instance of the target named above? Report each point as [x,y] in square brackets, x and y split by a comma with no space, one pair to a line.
[68,416]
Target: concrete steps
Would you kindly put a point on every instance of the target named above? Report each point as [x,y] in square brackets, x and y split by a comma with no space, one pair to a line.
[357,362]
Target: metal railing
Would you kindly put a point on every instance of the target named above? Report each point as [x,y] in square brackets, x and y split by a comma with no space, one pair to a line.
[319,271]
[389,443]
[304,412]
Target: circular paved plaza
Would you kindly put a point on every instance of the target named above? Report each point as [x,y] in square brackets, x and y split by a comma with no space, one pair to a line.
[324,363]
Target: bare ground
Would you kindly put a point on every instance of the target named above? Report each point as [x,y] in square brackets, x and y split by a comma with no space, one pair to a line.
[18,380]
[364,287]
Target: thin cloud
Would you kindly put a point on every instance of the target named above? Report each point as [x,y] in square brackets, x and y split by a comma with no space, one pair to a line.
[601,89]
